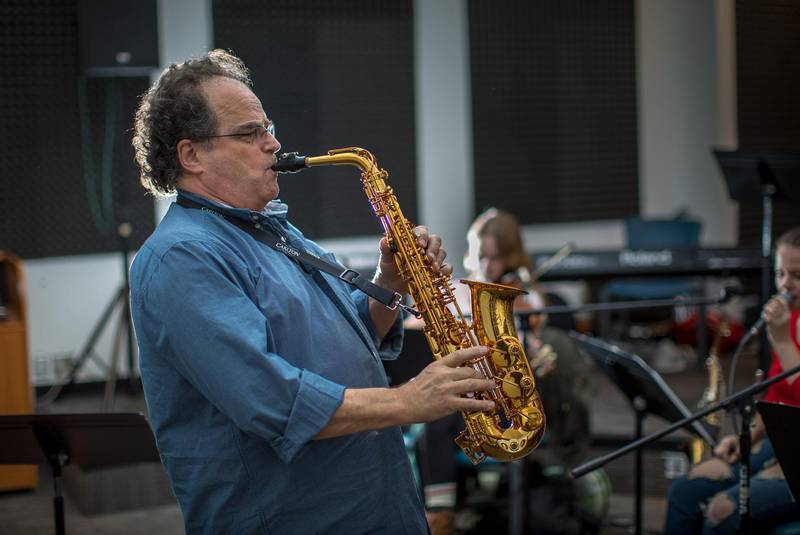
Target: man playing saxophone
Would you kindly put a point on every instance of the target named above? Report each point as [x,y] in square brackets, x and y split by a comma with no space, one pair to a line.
[262,376]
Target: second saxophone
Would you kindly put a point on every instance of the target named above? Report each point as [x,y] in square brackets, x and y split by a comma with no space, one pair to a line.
[516,425]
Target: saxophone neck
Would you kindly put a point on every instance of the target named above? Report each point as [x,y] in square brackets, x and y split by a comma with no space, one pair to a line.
[355,156]
[292,162]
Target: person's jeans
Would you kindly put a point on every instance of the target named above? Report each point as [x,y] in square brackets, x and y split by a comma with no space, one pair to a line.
[770,500]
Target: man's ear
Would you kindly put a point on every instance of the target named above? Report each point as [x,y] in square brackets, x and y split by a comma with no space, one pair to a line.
[188,157]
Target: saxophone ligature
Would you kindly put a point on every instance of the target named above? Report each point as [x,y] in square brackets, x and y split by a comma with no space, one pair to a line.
[516,425]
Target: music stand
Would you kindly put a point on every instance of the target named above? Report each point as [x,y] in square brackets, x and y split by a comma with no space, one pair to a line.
[81,439]
[768,175]
[782,422]
[647,393]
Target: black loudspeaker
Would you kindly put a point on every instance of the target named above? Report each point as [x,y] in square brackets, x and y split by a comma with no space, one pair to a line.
[117,37]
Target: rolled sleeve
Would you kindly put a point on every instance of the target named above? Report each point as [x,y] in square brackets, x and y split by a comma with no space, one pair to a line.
[316,401]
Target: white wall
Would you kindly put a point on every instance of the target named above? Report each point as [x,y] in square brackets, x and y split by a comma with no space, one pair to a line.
[444,122]
[686,104]
[185,29]
[685,92]
[66,298]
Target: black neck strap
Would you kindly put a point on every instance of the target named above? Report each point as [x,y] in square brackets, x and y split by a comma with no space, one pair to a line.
[268,236]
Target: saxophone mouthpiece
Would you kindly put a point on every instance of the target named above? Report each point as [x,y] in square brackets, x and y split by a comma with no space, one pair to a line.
[289,162]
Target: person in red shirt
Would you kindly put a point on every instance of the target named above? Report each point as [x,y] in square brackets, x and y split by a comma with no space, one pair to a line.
[708,497]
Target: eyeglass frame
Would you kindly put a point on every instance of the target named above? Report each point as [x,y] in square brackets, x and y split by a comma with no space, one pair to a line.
[255,131]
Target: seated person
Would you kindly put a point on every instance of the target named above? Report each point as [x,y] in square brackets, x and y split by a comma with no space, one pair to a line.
[496,254]
[707,499]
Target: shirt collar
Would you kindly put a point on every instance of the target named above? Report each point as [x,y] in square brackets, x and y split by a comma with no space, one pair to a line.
[275,208]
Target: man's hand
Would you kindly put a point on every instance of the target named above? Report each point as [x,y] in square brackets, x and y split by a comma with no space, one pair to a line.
[439,389]
[436,392]
[728,449]
[388,275]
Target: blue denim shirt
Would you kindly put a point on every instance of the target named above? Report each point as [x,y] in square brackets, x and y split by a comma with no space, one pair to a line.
[244,359]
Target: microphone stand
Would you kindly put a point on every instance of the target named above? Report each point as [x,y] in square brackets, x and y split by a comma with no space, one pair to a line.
[743,402]
[725,295]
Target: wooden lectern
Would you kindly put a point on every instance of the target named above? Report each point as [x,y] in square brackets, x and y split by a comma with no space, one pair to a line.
[16,395]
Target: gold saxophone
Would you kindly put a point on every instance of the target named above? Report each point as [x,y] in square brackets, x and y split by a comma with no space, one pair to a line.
[699,449]
[517,424]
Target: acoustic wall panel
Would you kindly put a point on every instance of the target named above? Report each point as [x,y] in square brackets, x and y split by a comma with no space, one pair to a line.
[554,108]
[331,74]
[67,176]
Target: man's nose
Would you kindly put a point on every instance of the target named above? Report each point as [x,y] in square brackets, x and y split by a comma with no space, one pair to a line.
[271,145]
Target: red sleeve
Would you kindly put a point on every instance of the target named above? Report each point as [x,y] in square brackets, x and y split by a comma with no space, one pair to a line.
[782,391]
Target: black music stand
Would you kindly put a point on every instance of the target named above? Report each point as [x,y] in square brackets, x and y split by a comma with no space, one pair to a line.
[647,393]
[769,176]
[783,430]
[81,439]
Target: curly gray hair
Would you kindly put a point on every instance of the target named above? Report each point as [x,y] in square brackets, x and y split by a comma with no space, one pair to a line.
[175,108]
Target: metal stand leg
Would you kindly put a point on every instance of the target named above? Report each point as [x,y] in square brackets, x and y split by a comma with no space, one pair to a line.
[767,192]
[744,468]
[518,498]
[58,498]
[121,300]
[88,348]
[640,405]
[57,457]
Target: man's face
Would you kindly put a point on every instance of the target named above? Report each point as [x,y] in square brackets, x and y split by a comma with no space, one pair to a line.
[238,169]
[787,272]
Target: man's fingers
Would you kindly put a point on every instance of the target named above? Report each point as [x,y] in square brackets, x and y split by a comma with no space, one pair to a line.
[460,356]
[434,247]
[465,372]
[385,250]
[473,405]
[436,256]
[472,385]
[421,233]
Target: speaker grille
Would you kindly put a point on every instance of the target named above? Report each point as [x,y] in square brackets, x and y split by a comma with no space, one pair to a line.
[554,108]
[768,82]
[45,196]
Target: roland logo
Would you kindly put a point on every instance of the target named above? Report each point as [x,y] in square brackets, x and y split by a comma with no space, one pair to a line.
[287,249]
[645,258]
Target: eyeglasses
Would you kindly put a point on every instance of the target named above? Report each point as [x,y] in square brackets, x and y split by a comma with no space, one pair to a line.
[258,133]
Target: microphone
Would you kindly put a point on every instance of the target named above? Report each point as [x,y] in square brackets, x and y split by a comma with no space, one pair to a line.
[754,330]
[757,326]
